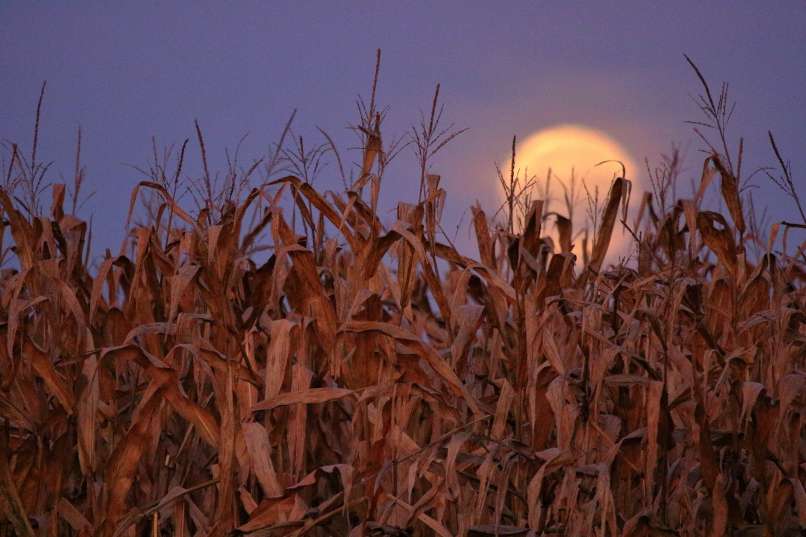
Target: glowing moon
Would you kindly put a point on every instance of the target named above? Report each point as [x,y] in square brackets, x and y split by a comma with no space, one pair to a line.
[572,152]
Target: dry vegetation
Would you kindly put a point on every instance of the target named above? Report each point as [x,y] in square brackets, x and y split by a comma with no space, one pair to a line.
[371,380]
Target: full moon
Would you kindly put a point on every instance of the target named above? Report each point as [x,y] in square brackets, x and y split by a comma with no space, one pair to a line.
[573,153]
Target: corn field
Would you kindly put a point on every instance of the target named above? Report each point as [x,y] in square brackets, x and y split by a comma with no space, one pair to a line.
[368,379]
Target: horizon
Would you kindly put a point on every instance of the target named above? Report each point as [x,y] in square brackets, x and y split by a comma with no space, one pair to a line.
[109,75]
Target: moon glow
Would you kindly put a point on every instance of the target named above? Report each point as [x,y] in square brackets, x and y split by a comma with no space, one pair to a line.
[572,153]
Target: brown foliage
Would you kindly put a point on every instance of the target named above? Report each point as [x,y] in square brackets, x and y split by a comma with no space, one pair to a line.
[374,381]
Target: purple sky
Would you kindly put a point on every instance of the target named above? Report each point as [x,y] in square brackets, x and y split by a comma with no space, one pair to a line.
[125,74]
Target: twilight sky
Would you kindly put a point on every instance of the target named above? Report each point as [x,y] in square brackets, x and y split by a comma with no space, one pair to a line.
[126,74]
